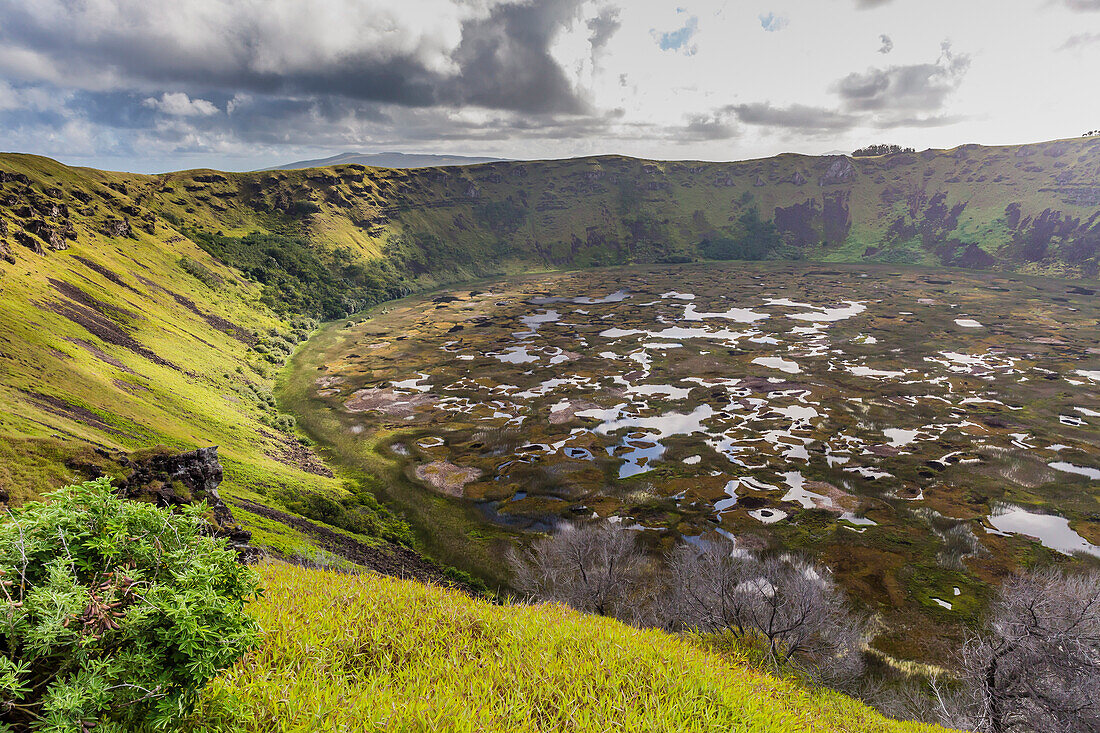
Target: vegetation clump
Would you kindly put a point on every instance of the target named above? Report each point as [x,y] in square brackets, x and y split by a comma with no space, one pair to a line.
[783,607]
[299,279]
[114,614]
[756,240]
[1035,665]
[882,149]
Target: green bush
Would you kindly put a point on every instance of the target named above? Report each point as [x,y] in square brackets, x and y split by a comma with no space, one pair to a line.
[756,239]
[298,278]
[200,272]
[114,614]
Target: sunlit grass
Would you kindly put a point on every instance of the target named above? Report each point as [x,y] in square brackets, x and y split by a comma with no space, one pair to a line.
[364,652]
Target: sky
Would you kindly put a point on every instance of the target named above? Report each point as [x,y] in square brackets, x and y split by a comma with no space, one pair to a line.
[157,85]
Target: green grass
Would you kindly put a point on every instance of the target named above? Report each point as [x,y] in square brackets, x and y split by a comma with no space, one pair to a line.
[363,652]
[188,377]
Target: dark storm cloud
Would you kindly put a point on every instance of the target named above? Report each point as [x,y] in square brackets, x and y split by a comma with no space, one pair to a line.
[506,63]
[502,61]
[602,27]
[914,88]
[795,117]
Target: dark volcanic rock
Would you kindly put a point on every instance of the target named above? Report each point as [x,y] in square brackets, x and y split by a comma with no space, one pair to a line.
[118,228]
[47,234]
[177,479]
[29,242]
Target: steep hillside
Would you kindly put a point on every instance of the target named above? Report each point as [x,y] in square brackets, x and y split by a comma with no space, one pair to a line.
[1030,208]
[342,650]
[118,333]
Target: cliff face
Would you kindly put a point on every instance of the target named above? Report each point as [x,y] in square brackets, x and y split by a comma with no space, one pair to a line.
[1032,208]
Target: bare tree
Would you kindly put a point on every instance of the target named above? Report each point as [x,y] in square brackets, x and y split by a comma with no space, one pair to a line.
[593,568]
[1036,665]
[794,608]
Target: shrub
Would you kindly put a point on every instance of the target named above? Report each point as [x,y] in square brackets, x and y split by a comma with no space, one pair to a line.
[114,614]
[789,608]
[592,567]
[200,272]
[1035,666]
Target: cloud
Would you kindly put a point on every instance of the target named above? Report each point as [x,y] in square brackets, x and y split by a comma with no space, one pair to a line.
[911,88]
[1083,5]
[602,27]
[713,126]
[867,4]
[679,40]
[795,117]
[772,22]
[506,64]
[181,105]
[1080,39]
[887,44]
[495,53]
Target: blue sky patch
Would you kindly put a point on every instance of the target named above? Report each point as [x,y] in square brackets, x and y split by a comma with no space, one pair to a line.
[772,22]
[678,39]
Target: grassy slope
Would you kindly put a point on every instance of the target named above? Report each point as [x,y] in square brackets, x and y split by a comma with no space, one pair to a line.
[106,394]
[348,652]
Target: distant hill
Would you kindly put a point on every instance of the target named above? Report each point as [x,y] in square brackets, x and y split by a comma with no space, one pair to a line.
[387,160]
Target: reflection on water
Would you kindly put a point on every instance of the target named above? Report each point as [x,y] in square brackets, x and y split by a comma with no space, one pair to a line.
[1051,530]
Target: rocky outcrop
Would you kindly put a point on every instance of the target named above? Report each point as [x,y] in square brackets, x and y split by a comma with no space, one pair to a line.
[177,479]
[118,228]
[48,234]
[29,242]
[840,171]
[170,479]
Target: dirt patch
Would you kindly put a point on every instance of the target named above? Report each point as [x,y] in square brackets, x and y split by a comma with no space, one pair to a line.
[447,477]
[216,322]
[387,559]
[76,413]
[566,414]
[842,501]
[387,401]
[99,354]
[130,387]
[98,319]
[110,275]
[77,295]
[290,452]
